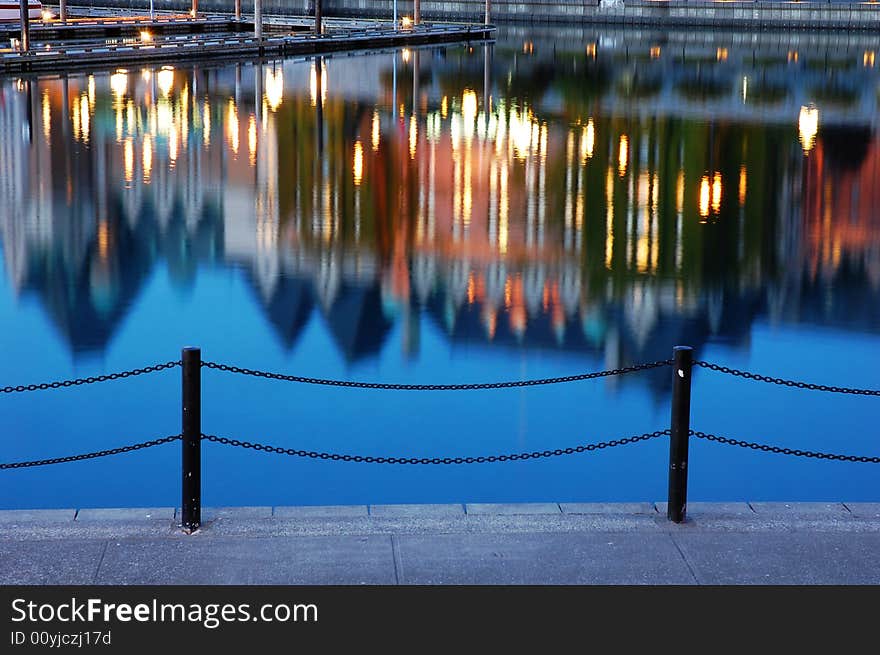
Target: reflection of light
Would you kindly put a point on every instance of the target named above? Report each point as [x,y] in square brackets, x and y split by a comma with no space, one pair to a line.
[868,58]
[47,15]
[406,22]
[84,117]
[232,126]
[704,196]
[206,123]
[92,91]
[252,139]
[622,155]
[146,73]
[721,54]
[313,84]
[792,56]
[808,126]
[745,87]
[591,50]
[444,107]
[588,139]
[375,134]
[716,193]
[404,54]
[655,51]
[165,78]
[164,117]
[172,146]
[146,37]
[119,83]
[274,88]
[469,106]
[503,208]
[358,167]
[103,239]
[742,185]
[413,136]
[147,158]
[679,192]
[128,157]
[47,115]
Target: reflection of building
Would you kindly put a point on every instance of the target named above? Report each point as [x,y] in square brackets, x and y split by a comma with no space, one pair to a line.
[440,198]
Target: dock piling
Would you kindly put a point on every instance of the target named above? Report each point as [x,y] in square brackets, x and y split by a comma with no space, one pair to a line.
[682,365]
[258,19]
[191,439]
[25,42]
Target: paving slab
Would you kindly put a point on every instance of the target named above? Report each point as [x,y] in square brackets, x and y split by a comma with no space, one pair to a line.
[416,510]
[864,510]
[236,513]
[13,516]
[782,558]
[320,511]
[715,510]
[334,560]
[608,508]
[126,514]
[44,562]
[512,508]
[802,510]
[582,558]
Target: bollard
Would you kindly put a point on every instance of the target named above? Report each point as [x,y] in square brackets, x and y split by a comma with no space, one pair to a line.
[191,439]
[417,12]
[258,19]
[679,429]
[237,9]
[488,10]
[319,29]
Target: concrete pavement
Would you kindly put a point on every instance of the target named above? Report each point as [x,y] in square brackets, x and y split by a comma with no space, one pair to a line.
[541,543]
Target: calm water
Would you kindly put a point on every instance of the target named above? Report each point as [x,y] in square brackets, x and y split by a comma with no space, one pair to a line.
[554,205]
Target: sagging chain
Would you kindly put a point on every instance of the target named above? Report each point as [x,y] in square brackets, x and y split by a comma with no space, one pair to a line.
[784,451]
[787,383]
[369,459]
[435,387]
[89,380]
[99,453]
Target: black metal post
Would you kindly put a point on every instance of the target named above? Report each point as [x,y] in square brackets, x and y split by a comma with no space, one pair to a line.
[319,28]
[25,26]
[680,425]
[191,505]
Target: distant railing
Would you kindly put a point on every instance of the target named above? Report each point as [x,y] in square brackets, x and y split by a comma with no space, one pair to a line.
[679,431]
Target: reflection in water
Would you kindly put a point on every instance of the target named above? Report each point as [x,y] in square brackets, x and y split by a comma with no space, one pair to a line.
[515,199]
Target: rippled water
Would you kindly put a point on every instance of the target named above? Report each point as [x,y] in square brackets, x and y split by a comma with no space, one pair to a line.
[554,204]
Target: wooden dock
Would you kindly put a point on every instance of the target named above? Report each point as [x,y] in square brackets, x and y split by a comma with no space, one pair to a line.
[97,41]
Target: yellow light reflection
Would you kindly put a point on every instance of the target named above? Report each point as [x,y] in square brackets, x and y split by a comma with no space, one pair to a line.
[274,88]
[444,107]
[165,77]
[252,140]
[469,106]
[655,52]
[147,158]
[91,88]
[84,117]
[313,83]
[591,50]
[232,126]
[375,136]
[172,147]
[679,192]
[716,193]
[128,159]
[588,140]
[405,55]
[146,37]
[206,123]
[622,155]
[47,115]
[103,239]
[119,83]
[413,136]
[742,185]
[704,196]
[808,126]
[868,58]
[721,54]
[358,166]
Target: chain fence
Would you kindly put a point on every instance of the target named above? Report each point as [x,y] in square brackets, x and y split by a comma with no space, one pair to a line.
[435,387]
[787,383]
[89,380]
[784,451]
[486,459]
[98,453]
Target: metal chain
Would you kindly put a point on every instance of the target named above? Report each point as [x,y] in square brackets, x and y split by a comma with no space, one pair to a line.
[369,459]
[99,453]
[435,387]
[785,451]
[90,380]
[787,383]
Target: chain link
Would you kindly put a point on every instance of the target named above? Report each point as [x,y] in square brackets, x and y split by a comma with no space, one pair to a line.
[99,453]
[369,459]
[787,383]
[784,451]
[90,380]
[435,387]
